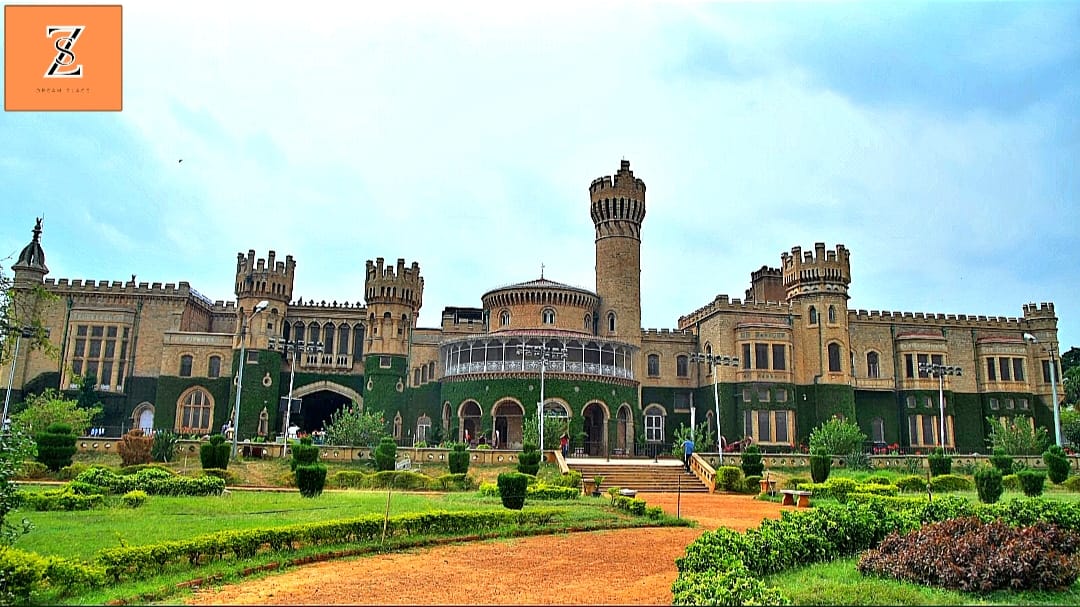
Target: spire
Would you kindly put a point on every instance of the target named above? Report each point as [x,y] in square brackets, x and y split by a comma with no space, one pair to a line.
[32,256]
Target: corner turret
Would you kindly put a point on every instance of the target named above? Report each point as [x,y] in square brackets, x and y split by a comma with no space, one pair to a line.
[30,269]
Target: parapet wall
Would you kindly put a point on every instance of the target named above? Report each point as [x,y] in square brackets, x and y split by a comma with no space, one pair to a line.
[723,304]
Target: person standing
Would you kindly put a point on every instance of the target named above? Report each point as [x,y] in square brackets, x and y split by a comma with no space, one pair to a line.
[688,451]
[564,445]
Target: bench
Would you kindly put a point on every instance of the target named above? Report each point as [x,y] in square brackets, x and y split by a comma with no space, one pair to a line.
[406,464]
[791,495]
[627,492]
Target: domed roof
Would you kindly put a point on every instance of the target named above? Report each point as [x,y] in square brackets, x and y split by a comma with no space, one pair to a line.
[541,283]
[32,256]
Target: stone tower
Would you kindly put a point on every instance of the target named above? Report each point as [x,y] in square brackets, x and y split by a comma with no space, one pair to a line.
[394,297]
[30,269]
[618,208]
[262,280]
[817,288]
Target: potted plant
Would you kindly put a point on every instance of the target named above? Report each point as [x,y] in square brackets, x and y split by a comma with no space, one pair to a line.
[597,481]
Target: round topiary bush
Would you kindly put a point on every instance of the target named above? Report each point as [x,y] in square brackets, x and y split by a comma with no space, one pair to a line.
[513,487]
[1057,464]
[751,461]
[988,484]
[133,499]
[1031,482]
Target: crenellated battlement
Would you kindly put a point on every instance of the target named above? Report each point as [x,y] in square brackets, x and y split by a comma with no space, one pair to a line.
[936,319]
[116,287]
[617,206]
[325,305]
[1043,310]
[264,278]
[816,271]
[394,285]
[623,183]
[722,303]
[681,335]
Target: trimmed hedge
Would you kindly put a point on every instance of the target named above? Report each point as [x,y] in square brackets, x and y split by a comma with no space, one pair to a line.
[61,499]
[912,484]
[538,491]
[1031,482]
[729,478]
[1057,464]
[25,572]
[950,482]
[133,562]
[154,481]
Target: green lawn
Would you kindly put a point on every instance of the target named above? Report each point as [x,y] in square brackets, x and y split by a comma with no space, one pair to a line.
[840,583]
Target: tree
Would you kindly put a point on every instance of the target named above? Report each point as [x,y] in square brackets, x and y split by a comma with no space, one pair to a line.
[15,448]
[49,407]
[86,392]
[351,426]
[1070,426]
[1071,384]
[836,437]
[1016,436]
[22,310]
[1070,359]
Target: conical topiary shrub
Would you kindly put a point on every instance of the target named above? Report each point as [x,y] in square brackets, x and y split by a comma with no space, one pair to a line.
[385,454]
[1057,464]
[529,460]
[820,466]
[751,461]
[55,446]
[310,474]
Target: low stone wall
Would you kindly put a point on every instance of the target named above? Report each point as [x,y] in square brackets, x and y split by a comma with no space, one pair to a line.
[802,460]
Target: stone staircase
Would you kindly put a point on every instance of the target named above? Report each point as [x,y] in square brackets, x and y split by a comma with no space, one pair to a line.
[641,475]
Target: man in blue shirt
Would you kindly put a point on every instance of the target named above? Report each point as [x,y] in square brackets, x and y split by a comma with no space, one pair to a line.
[688,450]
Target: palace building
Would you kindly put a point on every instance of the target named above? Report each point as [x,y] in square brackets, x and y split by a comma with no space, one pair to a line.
[789,355]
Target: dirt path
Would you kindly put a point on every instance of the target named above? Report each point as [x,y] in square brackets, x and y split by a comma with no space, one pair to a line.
[627,567]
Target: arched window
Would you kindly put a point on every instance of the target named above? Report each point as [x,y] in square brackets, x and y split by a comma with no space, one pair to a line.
[681,366]
[813,315]
[185,365]
[834,358]
[504,318]
[431,370]
[832,314]
[343,339]
[213,368]
[404,323]
[416,377]
[358,342]
[298,331]
[611,322]
[423,428]
[654,364]
[588,322]
[548,316]
[397,426]
[873,365]
[423,374]
[654,424]
[196,412]
[328,338]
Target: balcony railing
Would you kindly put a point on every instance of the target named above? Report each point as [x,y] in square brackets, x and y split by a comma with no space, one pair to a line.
[533,366]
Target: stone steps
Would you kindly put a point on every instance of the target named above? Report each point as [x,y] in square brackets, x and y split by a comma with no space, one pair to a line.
[642,477]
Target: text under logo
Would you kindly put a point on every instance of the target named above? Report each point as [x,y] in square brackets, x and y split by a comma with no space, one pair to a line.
[63,64]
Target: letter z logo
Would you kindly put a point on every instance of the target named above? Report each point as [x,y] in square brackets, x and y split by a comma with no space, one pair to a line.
[63,65]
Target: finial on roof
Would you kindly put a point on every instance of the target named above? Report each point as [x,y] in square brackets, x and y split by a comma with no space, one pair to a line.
[541,270]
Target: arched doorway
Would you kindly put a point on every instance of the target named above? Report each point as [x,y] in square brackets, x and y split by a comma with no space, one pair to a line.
[469,414]
[319,402]
[509,415]
[624,434]
[595,416]
[143,417]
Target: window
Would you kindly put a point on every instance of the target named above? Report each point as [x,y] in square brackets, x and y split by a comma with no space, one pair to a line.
[763,395]
[548,316]
[832,314]
[682,367]
[343,340]
[813,315]
[1010,403]
[1004,368]
[328,338]
[834,358]
[423,428]
[873,365]
[654,424]
[909,366]
[910,402]
[994,404]
[779,358]
[654,364]
[1024,404]
[384,362]
[195,412]
[877,430]
[1018,369]
[611,322]
[924,430]
[397,426]
[416,377]
[1045,368]
[253,357]
[185,365]
[101,351]
[923,361]
[423,374]
[431,370]
[781,395]
[588,322]
[770,427]
[747,395]
[213,368]
[991,370]
[761,356]
[746,356]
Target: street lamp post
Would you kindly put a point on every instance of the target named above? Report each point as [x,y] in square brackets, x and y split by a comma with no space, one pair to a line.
[713,360]
[287,346]
[240,373]
[19,333]
[1053,386]
[940,371]
[545,353]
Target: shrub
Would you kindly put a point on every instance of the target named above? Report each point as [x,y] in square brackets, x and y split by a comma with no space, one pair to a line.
[385,454]
[356,427]
[969,555]
[836,437]
[1031,482]
[311,479]
[61,499]
[795,482]
[1016,436]
[950,482]
[36,470]
[459,459]
[164,447]
[215,454]
[1057,464]
[878,480]
[22,573]
[751,461]
[729,478]
[912,484]
[55,446]
[134,448]
[939,462]
[1010,482]
[570,479]
[67,473]
[819,467]
[751,484]
[729,584]
[304,453]
[133,499]
[988,484]
[229,477]
[1072,484]
[529,459]
[512,489]
[1002,461]
[458,482]
[858,460]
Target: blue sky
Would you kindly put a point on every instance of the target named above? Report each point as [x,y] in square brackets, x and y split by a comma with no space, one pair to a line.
[939,142]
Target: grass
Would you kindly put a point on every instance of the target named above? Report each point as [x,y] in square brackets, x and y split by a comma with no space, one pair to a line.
[840,583]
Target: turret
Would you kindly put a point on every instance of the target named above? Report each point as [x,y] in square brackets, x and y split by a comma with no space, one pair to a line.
[617,207]
[259,279]
[394,297]
[30,269]
[818,272]
[817,288]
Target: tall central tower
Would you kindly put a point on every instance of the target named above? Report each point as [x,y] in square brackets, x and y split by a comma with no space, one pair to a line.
[618,208]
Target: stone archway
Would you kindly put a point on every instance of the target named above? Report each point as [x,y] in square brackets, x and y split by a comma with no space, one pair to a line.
[143,417]
[595,416]
[469,417]
[509,417]
[624,435]
[319,401]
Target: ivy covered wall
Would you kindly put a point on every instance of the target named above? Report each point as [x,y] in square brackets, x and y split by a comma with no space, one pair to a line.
[384,387]
[262,388]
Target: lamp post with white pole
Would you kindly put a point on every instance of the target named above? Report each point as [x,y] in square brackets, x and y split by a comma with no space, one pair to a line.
[294,347]
[940,371]
[1053,385]
[713,360]
[544,353]
[240,373]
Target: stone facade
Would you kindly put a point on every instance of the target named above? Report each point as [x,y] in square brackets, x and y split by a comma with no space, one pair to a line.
[796,354]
